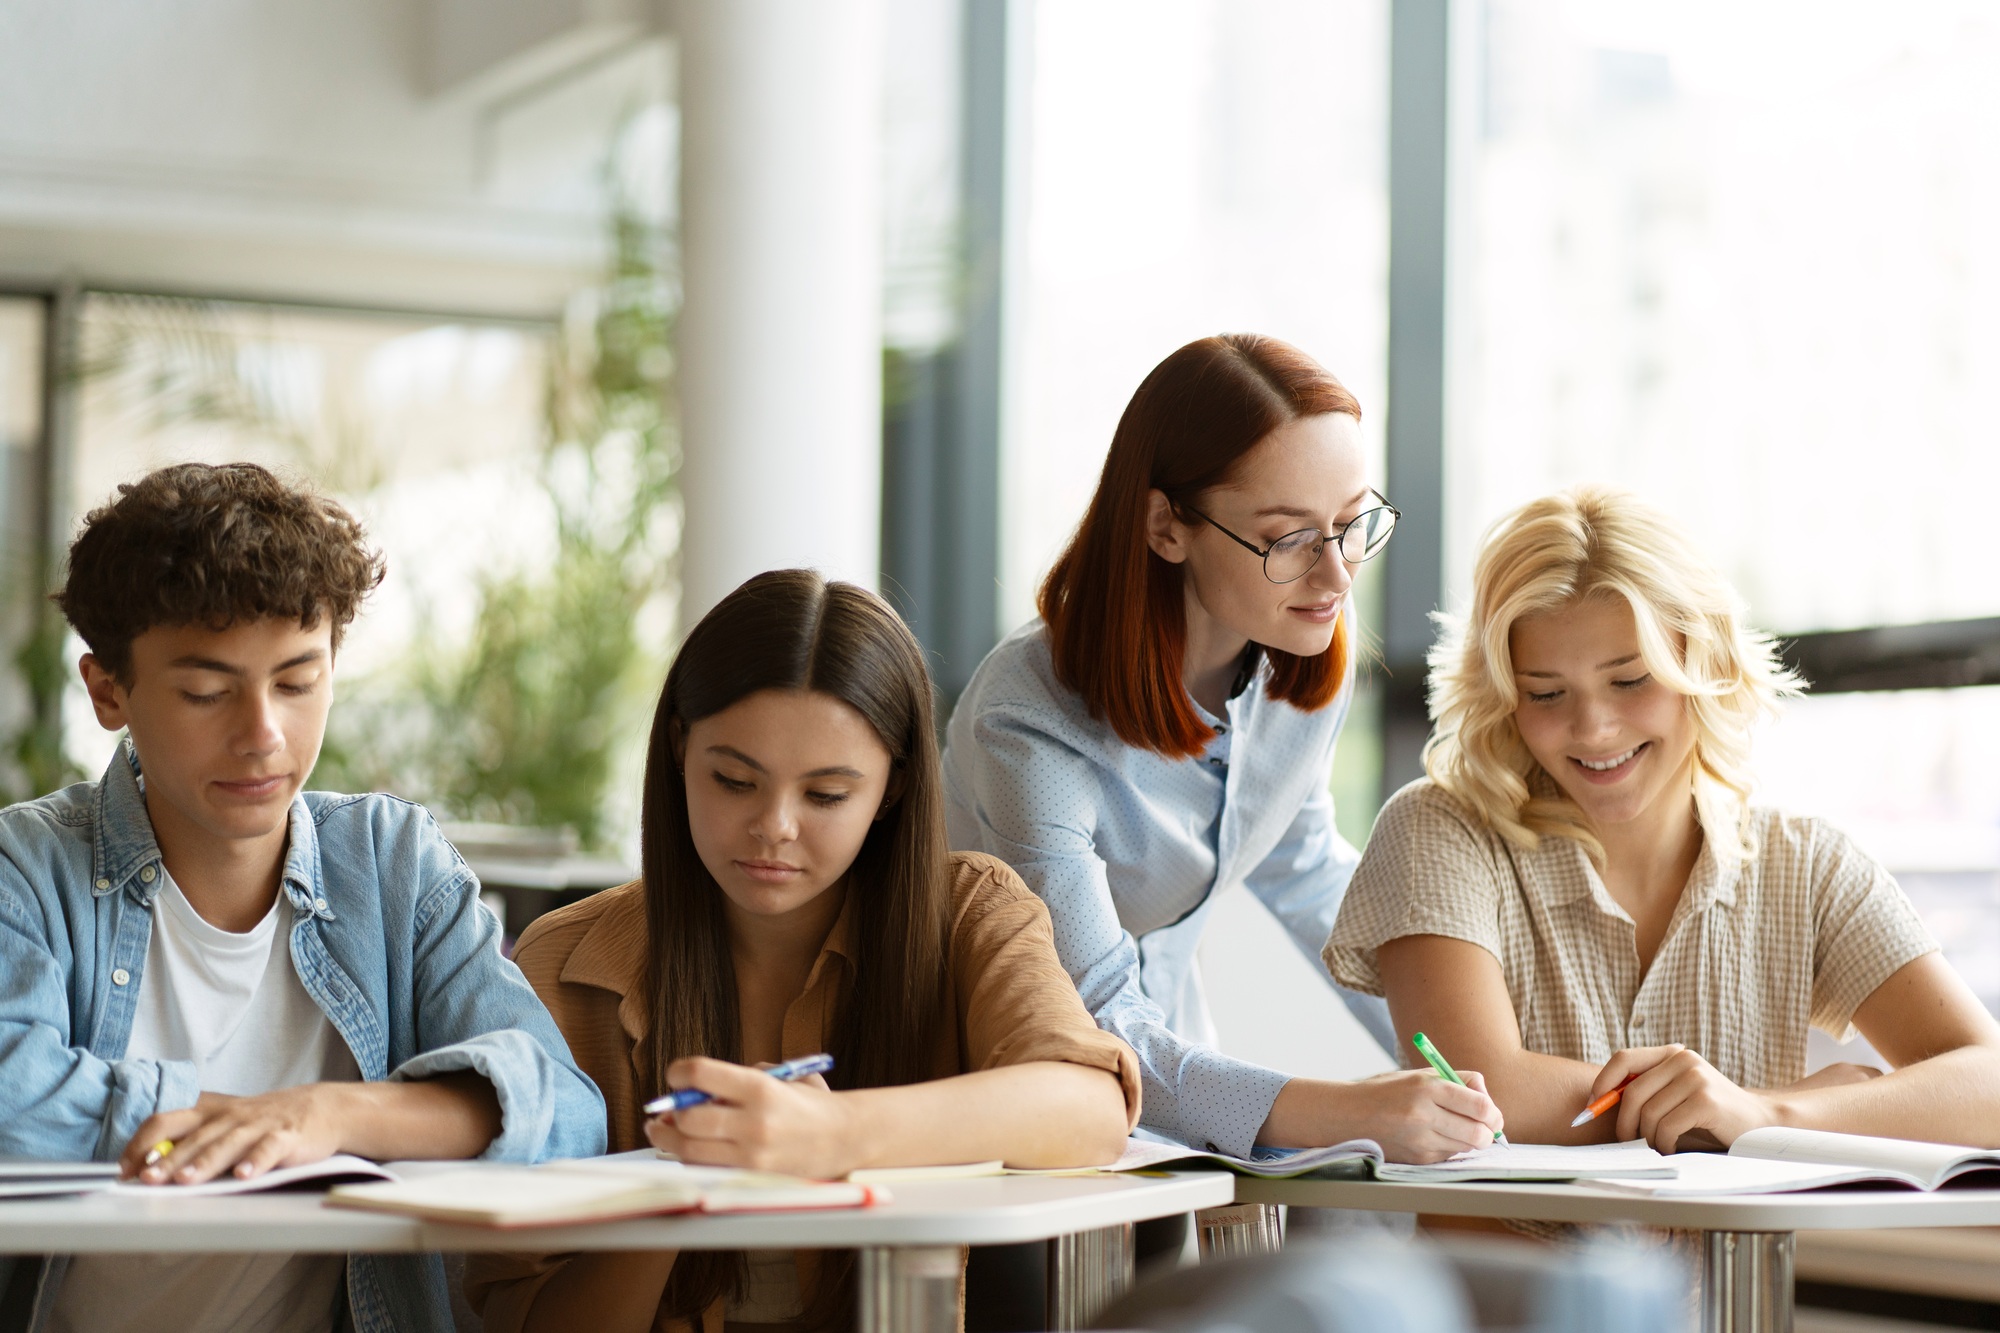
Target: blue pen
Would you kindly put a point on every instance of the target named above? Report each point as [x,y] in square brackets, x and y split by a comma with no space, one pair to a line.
[788,1071]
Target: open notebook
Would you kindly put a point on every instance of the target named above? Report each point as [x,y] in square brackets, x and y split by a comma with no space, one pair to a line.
[1363,1159]
[1778,1160]
[313,1176]
[597,1189]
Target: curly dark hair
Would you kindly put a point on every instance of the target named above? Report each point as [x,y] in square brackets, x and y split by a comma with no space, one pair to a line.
[212,545]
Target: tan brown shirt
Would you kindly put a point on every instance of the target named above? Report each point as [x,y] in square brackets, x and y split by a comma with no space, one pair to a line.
[1757,951]
[1014,1003]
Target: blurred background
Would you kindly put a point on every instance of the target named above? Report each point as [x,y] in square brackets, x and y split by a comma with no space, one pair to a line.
[592,308]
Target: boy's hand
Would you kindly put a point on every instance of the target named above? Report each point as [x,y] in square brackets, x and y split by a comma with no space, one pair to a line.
[757,1121]
[1677,1095]
[245,1136]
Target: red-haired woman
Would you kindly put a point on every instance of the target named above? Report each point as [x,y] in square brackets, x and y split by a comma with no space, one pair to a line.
[1167,727]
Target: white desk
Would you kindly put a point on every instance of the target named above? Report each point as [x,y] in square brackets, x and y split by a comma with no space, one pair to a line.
[909,1248]
[1748,1241]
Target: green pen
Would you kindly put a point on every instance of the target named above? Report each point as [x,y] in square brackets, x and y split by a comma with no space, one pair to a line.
[1445,1071]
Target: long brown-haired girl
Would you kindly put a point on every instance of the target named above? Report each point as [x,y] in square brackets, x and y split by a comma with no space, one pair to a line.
[1166,729]
[796,897]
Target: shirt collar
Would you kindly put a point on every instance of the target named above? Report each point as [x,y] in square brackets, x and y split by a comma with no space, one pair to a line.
[1561,872]
[123,847]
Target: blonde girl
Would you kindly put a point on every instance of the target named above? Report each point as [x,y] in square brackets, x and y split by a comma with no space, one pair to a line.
[1583,890]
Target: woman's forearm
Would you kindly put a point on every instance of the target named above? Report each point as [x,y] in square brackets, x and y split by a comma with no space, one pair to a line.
[1539,1094]
[1949,1098]
[1041,1114]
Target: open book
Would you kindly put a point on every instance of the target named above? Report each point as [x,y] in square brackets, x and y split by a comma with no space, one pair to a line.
[1778,1159]
[596,1189]
[313,1175]
[1364,1159]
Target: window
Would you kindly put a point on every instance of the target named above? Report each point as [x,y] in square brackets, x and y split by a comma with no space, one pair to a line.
[519,480]
[1746,262]
[429,431]
[1195,168]
[21,360]
[1910,775]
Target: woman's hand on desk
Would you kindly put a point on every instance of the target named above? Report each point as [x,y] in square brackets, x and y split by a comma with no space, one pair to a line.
[1415,1115]
[1676,1095]
[800,1128]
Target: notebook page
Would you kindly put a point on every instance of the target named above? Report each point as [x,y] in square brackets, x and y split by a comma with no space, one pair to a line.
[1538,1161]
[1930,1163]
[338,1167]
[1707,1173]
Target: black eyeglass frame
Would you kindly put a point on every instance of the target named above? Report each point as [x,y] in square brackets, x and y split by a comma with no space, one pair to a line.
[1333,539]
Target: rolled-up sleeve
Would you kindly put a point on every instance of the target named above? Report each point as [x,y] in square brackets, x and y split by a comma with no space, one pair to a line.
[475,1011]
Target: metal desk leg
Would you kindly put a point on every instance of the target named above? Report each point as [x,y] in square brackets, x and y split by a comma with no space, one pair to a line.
[1746,1282]
[1087,1271]
[1239,1228]
[911,1289]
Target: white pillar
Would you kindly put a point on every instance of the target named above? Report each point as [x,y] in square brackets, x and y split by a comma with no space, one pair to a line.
[781,327]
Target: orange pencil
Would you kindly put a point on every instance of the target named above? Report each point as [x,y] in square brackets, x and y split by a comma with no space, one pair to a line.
[1602,1104]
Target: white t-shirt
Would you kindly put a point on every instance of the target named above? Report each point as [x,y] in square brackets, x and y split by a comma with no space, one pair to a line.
[233,1005]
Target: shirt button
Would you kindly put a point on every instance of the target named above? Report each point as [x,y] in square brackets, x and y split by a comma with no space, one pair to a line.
[103,883]
[119,976]
[147,874]
[1639,1022]
[320,903]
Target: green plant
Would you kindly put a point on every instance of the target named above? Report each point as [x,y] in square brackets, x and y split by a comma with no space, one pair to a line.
[526,720]
[34,752]
[523,724]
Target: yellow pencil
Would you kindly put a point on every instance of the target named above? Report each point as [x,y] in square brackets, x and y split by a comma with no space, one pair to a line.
[158,1151]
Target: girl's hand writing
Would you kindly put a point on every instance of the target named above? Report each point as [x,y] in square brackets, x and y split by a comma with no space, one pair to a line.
[800,1128]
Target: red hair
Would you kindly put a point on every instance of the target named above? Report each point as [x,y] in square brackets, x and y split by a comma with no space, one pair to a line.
[1116,613]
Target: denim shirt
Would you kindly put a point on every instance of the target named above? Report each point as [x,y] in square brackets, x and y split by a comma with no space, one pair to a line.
[388,938]
[1127,847]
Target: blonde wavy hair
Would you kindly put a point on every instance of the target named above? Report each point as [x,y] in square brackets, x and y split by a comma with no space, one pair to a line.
[1594,541]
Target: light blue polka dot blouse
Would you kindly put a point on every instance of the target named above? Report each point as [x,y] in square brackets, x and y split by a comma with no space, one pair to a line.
[1127,847]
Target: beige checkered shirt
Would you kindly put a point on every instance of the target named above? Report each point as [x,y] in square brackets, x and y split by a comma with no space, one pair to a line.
[1798,935]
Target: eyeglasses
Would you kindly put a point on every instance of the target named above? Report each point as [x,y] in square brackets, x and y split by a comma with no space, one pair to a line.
[1293,555]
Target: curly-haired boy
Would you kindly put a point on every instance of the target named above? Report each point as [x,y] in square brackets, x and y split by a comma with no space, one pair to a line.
[205,969]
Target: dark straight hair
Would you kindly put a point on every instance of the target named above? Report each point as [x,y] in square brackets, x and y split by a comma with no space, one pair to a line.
[794,631]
